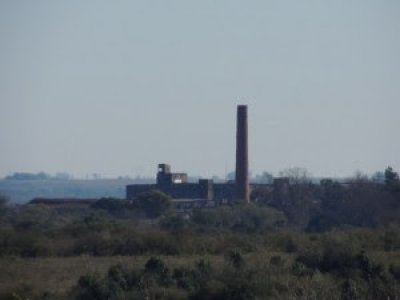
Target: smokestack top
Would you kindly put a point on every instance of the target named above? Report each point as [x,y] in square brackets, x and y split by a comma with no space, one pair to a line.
[241,107]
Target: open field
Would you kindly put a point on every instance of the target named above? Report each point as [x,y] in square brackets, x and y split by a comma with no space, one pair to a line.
[59,275]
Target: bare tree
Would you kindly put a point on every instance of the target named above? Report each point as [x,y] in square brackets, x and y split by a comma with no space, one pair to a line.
[296,175]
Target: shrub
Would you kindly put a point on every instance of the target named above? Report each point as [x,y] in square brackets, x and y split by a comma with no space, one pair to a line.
[90,287]
[157,270]
[300,269]
[120,277]
[174,223]
[391,240]
[337,260]
[242,218]
[395,271]
[310,260]
[153,203]
[350,290]
[3,205]
[277,261]
[235,258]
[32,217]
[204,267]
[114,206]
[187,279]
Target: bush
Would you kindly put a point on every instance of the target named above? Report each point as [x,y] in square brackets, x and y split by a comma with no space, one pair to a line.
[235,258]
[395,271]
[241,218]
[156,269]
[174,223]
[277,261]
[187,279]
[116,207]
[119,276]
[153,203]
[90,287]
[3,205]
[337,260]
[391,240]
[33,217]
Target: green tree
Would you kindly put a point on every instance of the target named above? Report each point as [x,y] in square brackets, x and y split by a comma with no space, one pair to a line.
[392,180]
[3,204]
[153,203]
[119,208]
[31,217]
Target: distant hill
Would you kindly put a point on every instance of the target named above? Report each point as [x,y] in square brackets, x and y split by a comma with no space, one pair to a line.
[22,191]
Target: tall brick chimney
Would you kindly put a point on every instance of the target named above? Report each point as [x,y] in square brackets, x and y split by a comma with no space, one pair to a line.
[242,155]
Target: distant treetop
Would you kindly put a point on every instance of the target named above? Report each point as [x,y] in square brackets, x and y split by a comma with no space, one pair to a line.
[38,176]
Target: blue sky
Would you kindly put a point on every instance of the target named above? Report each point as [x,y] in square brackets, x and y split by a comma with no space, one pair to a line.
[115,87]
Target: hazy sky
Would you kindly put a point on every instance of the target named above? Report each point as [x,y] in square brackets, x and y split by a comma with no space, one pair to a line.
[116,87]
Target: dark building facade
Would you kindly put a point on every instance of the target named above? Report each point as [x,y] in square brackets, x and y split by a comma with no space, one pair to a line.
[177,186]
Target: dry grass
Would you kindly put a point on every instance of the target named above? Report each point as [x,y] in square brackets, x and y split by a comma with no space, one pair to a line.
[59,274]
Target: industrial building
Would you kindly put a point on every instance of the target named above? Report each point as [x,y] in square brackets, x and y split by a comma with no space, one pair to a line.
[190,195]
[177,186]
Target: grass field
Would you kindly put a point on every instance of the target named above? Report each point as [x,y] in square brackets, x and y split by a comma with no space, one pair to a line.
[60,274]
